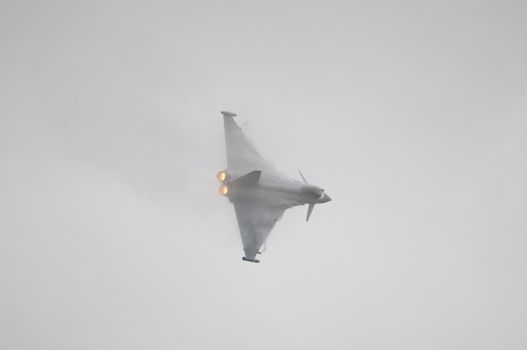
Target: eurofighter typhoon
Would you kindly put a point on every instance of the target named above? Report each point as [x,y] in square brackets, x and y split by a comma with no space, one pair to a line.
[259,193]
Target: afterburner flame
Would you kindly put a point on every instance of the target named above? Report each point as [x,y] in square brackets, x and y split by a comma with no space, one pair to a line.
[221,175]
[224,190]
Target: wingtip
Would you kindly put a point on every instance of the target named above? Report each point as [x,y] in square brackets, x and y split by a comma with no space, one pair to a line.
[250,260]
[228,114]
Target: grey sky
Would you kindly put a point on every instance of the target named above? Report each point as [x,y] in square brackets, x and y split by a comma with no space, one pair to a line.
[412,116]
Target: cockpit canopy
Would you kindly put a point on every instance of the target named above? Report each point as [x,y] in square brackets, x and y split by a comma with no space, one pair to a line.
[314,191]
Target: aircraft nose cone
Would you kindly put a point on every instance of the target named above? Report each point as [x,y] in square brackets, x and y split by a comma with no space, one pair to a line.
[326,198]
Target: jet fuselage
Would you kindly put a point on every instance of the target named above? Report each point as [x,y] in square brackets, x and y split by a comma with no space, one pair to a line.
[291,192]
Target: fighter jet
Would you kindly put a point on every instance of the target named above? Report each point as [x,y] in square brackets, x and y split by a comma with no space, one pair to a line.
[259,193]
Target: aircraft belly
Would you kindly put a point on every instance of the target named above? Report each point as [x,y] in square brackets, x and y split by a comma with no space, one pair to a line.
[278,197]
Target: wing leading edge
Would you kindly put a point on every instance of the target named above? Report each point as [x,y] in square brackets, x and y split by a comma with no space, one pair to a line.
[256,220]
[242,156]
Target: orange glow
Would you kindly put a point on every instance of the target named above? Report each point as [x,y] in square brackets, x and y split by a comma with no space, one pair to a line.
[221,175]
[224,190]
